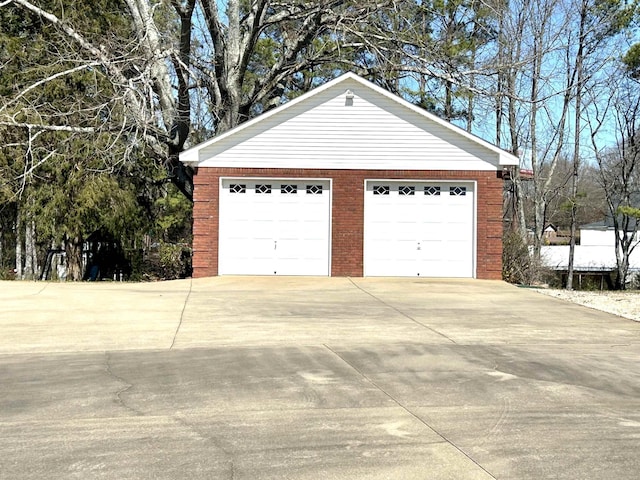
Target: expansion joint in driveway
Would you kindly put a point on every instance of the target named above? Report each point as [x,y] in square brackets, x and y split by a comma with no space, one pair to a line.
[406,409]
[409,317]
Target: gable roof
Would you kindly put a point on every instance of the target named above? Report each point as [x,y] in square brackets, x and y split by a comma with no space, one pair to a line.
[210,148]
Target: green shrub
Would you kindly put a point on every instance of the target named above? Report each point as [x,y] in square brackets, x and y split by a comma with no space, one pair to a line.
[7,274]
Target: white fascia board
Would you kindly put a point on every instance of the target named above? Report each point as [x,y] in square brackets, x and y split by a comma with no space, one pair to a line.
[506,160]
[192,156]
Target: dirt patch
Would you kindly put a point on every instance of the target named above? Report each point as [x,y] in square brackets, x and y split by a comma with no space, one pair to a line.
[625,304]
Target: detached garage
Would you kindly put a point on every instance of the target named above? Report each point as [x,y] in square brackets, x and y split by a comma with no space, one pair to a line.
[348,180]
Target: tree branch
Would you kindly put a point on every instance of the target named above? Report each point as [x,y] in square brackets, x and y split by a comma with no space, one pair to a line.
[52,128]
[48,79]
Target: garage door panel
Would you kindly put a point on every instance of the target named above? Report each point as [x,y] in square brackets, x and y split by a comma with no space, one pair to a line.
[254,248]
[308,250]
[432,249]
[457,269]
[419,228]
[253,264]
[402,230]
[457,213]
[403,215]
[294,258]
[260,210]
[431,233]
[434,266]
[274,227]
[456,232]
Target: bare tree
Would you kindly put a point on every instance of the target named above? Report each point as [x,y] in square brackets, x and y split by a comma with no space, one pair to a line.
[194,50]
[619,170]
[597,23]
[531,39]
[549,53]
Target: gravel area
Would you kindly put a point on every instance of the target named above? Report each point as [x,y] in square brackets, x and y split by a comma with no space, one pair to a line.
[625,304]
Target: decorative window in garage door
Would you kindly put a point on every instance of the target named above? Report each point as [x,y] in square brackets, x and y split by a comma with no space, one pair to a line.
[407,190]
[238,188]
[314,189]
[431,190]
[381,190]
[288,189]
[263,188]
[458,191]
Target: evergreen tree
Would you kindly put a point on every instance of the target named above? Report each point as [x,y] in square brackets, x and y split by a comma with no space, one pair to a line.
[75,175]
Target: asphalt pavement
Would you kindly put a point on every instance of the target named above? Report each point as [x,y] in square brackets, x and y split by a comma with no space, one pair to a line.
[313,378]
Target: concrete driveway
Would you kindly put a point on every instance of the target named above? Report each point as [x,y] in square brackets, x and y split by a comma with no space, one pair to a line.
[313,378]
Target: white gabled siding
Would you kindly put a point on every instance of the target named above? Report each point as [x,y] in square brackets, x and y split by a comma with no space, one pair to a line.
[327,132]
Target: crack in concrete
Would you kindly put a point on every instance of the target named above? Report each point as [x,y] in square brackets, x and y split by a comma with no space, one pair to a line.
[41,290]
[406,409]
[401,312]
[184,307]
[127,386]
[232,457]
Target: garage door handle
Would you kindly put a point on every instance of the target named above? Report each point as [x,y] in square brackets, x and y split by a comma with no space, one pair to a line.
[275,244]
[419,248]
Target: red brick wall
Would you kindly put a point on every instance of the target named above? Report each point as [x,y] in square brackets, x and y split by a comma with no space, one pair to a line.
[348,214]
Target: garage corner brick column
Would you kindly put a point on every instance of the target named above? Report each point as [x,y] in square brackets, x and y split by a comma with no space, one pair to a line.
[489,226]
[206,198]
[347,216]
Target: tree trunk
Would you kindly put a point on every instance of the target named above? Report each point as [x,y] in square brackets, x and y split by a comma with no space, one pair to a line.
[448,101]
[576,150]
[73,249]
[572,238]
[31,260]
[621,271]
[624,235]
[18,231]
[36,266]
[519,221]
[1,247]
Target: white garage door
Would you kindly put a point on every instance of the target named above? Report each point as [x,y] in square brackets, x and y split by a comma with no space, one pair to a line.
[274,227]
[419,229]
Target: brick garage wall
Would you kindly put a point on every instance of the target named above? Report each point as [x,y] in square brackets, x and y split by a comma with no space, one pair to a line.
[205,223]
[348,214]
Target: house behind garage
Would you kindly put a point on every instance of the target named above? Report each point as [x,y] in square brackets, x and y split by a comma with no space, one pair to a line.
[348,180]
